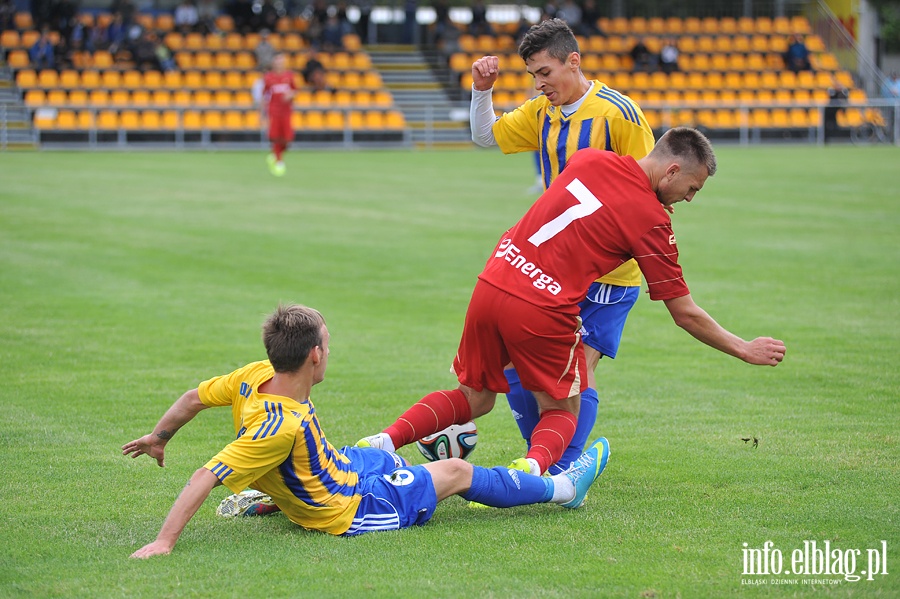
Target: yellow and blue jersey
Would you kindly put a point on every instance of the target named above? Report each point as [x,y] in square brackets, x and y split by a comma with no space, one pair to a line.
[280,449]
[606,120]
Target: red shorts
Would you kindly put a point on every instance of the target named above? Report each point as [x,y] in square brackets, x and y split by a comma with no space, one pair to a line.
[280,128]
[544,346]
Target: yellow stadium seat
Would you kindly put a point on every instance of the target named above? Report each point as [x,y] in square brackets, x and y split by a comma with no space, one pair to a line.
[372,80]
[334,120]
[129,119]
[213,42]
[709,97]
[35,97]
[170,120]
[769,80]
[212,119]
[164,22]
[806,80]
[67,120]
[751,80]
[202,98]
[394,119]
[783,96]
[351,80]
[222,98]
[362,61]
[184,60]
[356,120]
[102,60]
[193,79]
[140,97]
[152,79]
[108,119]
[48,79]
[111,79]
[85,119]
[57,97]
[234,41]
[764,25]
[303,97]
[760,117]
[132,79]
[172,80]
[342,98]
[181,97]
[120,97]
[728,96]
[746,25]
[802,96]
[224,23]
[150,120]
[765,96]
[233,80]
[161,98]
[194,41]
[383,98]
[375,119]
[10,39]
[174,41]
[99,98]
[252,120]
[800,117]
[781,25]
[191,120]
[233,119]
[18,59]
[244,61]
[69,79]
[224,61]
[203,61]
[213,80]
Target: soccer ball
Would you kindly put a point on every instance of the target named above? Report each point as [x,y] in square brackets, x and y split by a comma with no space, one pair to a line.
[455,441]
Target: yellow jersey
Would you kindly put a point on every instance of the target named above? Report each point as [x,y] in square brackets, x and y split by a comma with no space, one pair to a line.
[606,120]
[280,449]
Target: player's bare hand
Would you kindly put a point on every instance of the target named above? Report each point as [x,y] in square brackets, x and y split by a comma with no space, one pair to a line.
[154,548]
[485,71]
[765,351]
[150,445]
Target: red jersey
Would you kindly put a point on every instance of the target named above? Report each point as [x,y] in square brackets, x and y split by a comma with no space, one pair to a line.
[598,213]
[277,88]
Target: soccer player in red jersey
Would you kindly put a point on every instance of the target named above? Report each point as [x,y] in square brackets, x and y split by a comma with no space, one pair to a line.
[278,95]
[601,211]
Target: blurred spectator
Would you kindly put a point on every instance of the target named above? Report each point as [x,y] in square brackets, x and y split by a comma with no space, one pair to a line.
[268,16]
[837,98]
[796,57]
[590,16]
[42,53]
[186,16]
[479,24]
[312,64]
[549,11]
[891,88]
[642,57]
[265,51]
[124,8]
[7,15]
[207,11]
[62,54]
[570,12]
[164,56]
[333,34]
[441,21]
[116,33]
[410,22]
[143,52]
[365,15]
[241,12]
[318,15]
[40,13]
[63,16]
[668,57]
[522,28]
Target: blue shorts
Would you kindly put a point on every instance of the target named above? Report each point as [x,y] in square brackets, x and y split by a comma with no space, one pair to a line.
[394,495]
[603,314]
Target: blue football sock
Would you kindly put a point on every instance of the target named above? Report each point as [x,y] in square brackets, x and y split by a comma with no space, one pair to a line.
[523,405]
[587,417]
[499,487]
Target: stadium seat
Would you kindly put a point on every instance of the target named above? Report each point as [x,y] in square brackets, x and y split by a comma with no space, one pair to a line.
[85,120]
[150,120]
[193,79]
[108,120]
[203,60]
[129,120]
[23,21]
[194,41]
[111,79]
[181,97]
[191,120]
[120,97]
[140,97]
[213,80]
[34,98]
[161,98]
[102,60]
[132,79]
[153,79]
[202,98]
[57,97]
[170,120]
[18,59]
[69,79]
[48,79]
[99,98]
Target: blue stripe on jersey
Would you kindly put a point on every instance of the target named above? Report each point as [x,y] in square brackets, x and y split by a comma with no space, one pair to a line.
[608,140]
[621,103]
[274,418]
[292,482]
[221,471]
[315,464]
[561,140]
[545,155]
[584,135]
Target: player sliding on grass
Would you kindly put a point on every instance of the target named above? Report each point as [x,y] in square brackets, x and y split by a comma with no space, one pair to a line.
[281,451]
[601,211]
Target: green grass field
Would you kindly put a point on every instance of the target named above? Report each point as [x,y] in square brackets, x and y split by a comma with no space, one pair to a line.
[126,279]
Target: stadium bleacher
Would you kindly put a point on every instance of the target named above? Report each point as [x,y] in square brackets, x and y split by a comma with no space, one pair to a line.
[209,90]
[731,72]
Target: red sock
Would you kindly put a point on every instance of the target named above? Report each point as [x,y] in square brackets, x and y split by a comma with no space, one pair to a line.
[551,436]
[434,412]
[277,149]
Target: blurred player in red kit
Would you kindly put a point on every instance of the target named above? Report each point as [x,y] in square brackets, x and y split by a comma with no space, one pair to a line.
[278,94]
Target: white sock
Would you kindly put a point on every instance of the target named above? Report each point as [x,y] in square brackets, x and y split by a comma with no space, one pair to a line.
[387,443]
[535,467]
[563,489]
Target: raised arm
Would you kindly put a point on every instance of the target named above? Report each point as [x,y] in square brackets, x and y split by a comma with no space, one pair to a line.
[481,111]
[192,497]
[762,351]
[182,411]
